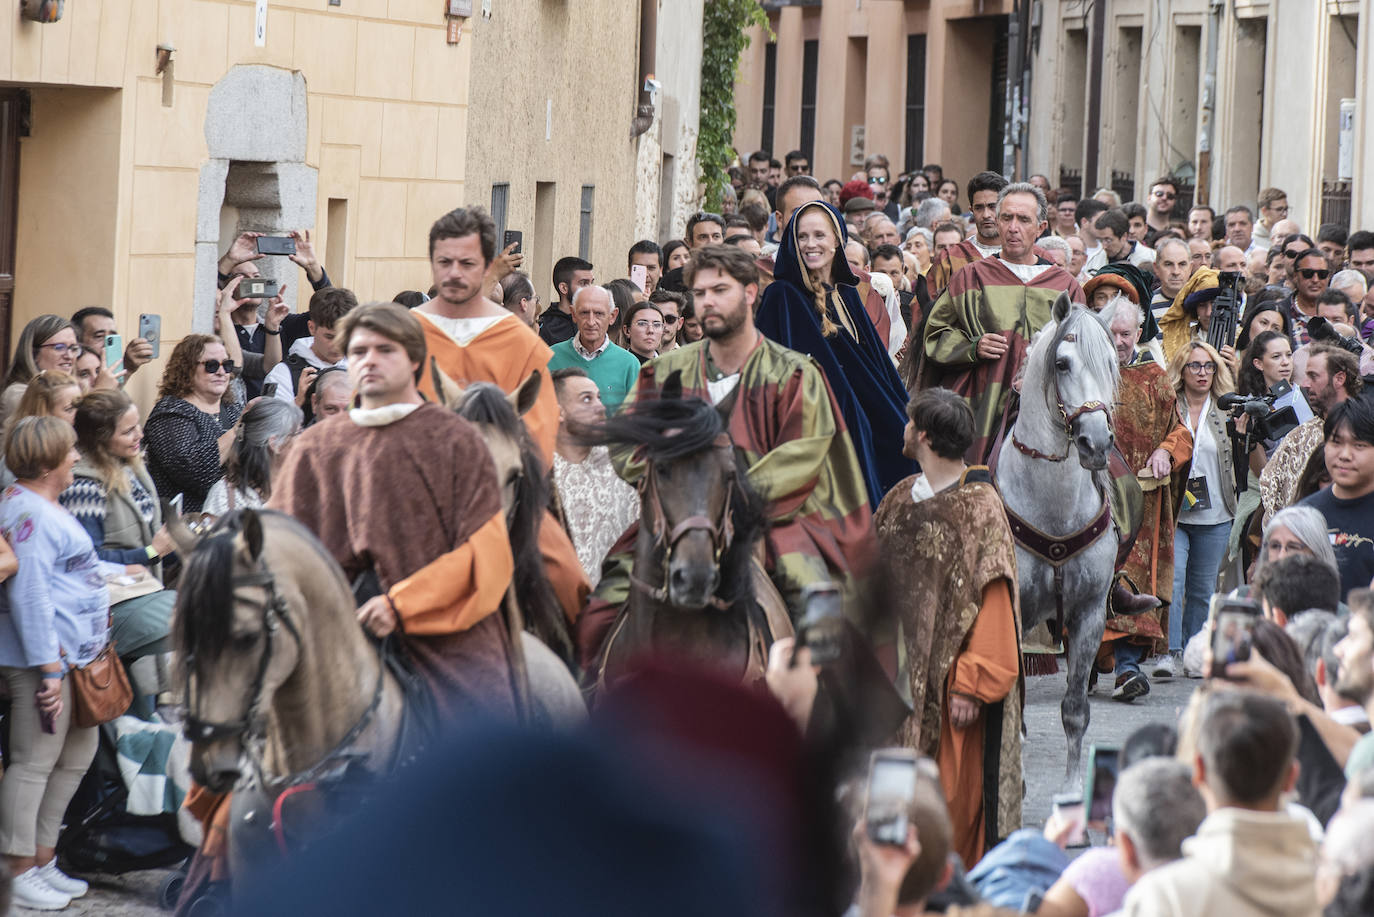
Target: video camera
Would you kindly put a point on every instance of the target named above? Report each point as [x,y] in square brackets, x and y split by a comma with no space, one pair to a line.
[1221,332]
[1319,329]
[1268,420]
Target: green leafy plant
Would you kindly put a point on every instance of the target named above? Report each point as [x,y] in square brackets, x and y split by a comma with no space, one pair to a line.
[724,37]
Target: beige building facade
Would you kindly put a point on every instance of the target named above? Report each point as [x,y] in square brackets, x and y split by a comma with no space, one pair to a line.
[120,185]
[552,149]
[915,81]
[1233,98]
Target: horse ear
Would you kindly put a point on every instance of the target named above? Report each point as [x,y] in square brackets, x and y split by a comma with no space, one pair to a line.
[524,397]
[252,533]
[1109,311]
[672,386]
[182,536]
[1062,306]
[450,393]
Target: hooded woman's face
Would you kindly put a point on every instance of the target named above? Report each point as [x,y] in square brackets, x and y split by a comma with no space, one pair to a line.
[816,239]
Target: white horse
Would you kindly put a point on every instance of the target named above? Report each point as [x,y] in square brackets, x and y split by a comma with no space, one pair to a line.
[1060,509]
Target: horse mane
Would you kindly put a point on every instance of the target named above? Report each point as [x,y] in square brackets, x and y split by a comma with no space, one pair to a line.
[486,404]
[1101,362]
[667,428]
[204,613]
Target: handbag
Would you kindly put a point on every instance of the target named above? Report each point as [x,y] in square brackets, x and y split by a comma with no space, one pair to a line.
[100,689]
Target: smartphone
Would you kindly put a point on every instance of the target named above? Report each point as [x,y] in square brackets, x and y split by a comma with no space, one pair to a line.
[1069,807]
[1233,634]
[257,288]
[639,276]
[821,627]
[891,789]
[276,245]
[150,329]
[516,237]
[114,350]
[1104,763]
[269,390]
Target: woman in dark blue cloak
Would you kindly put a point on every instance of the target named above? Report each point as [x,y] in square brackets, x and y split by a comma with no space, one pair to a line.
[812,307]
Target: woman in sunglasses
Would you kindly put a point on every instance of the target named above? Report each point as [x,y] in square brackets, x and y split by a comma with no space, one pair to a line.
[191,428]
[47,342]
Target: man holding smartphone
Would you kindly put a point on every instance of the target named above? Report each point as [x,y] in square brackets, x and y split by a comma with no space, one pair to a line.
[95,323]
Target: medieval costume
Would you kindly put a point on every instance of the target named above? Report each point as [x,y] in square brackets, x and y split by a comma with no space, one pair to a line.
[989,296]
[954,259]
[1278,483]
[502,350]
[953,567]
[790,434]
[412,497]
[596,506]
[1147,419]
[845,343]
[1179,326]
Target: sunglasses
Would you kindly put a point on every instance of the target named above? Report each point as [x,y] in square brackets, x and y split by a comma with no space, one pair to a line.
[670,319]
[1195,367]
[214,366]
[1309,272]
[61,348]
[1291,253]
[1167,195]
[879,180]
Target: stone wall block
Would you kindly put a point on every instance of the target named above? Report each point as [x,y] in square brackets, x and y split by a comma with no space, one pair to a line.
[258,114]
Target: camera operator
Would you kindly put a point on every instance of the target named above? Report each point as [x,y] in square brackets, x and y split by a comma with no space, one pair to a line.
[1268,362]
[1190,317]
[1200,376]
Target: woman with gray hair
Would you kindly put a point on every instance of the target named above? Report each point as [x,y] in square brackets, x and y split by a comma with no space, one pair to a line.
[1295,530]
[267,426]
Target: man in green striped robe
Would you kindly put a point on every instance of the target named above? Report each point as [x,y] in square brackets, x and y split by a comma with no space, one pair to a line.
[785,424]
[980,328]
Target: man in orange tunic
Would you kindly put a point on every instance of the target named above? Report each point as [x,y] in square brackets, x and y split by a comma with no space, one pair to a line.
[473,339]
[953,566]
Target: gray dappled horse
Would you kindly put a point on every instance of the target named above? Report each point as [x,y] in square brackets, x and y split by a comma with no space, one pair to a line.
[1059,509]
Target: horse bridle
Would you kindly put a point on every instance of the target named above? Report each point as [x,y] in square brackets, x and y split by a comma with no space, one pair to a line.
[253,724]
[251,729]
[1068,418]
[721,531]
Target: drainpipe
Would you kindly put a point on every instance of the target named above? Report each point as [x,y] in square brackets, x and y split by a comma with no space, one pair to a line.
[648,40]
[1094,125]
[1202,183]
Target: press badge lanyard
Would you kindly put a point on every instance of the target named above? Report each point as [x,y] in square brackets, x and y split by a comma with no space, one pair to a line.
[1196,487]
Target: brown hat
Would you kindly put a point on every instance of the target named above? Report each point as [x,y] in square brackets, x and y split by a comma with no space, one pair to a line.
[858,205]
[1121,284]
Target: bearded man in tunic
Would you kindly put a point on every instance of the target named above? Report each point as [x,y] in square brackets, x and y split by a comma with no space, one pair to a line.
[405,490]
[785,425]
[980,328]
[952,563]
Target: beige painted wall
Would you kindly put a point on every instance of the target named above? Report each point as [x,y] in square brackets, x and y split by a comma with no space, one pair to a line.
[862,68]
[387,101]
[578,61]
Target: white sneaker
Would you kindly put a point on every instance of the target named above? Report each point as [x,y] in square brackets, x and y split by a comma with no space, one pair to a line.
[1161,666]
[61,881]
[30,891]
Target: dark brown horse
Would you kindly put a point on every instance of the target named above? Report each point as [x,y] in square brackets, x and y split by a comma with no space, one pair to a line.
[693,587]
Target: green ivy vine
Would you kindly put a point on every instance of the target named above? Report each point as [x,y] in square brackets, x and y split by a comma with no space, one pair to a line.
[724,37]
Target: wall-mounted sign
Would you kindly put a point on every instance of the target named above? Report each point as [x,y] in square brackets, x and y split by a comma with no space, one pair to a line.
[260,24]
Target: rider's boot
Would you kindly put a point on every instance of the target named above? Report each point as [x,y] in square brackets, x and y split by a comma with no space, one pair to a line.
[1125,602]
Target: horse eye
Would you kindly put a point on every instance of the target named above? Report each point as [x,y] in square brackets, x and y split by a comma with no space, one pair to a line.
[245,641]
[1062,364]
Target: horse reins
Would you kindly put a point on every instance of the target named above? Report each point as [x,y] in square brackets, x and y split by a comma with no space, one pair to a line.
[251,729]
[721,531]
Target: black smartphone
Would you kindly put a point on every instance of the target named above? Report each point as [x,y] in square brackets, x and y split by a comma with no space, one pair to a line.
[891,788]
[269,390]
[513,236]
[1104,763]
[276,245]
[1233,634]
[150,329]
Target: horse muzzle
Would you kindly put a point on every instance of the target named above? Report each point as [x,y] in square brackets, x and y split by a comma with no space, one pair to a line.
[1093,438]
[217,767]
[693,572]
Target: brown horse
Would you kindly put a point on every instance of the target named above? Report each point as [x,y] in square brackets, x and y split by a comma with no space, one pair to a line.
[695,580]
